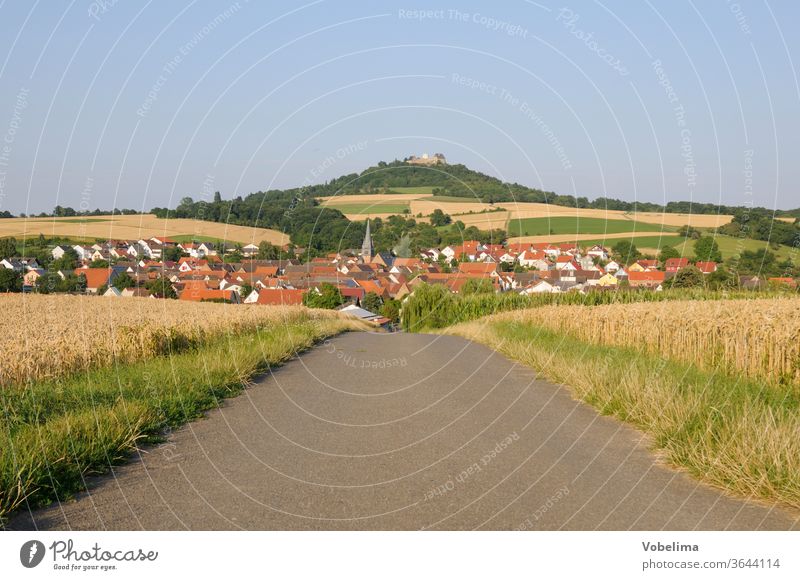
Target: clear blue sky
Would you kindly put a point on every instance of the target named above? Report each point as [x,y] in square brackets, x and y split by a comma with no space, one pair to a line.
[134,104]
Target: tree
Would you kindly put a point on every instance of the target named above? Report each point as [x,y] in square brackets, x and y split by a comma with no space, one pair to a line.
[267,251]
[403,248]
[371,302]
[391,310]
[706,249]
[10,281]
[689,232]
[722,279]
[48,282]
[67,262]
[439,218]
[172,254]
[626,252]
[689,277]
[477,286]
[668,252]
[161,288]
[762,262]
[123,281]
[245,290]
[73,283]
[329,296]
[98,264]
[8,248]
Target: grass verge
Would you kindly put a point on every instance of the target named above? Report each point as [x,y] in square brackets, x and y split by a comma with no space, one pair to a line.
[54,433]
[735,433]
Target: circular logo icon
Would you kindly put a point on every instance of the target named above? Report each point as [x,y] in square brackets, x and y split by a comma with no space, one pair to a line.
[31,553]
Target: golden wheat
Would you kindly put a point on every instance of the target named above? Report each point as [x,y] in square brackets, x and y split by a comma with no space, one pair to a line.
[134,227]
[758,338]
[48,336]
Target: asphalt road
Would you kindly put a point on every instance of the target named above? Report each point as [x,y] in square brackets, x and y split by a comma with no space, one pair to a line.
[402,431]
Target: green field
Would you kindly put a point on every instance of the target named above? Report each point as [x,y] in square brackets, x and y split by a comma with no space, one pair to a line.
[574,225]
[418,189]
[729,246]
[396,207]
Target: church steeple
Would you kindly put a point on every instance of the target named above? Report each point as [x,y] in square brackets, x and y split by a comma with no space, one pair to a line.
[367,250]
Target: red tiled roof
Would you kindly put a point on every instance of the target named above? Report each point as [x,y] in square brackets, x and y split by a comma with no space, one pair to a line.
[197,294]
[95,277]
[282,296]
[484,268]
[706,267]
[652,276]
[676,263]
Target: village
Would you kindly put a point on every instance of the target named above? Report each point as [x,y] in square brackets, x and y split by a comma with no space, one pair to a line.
[365,279]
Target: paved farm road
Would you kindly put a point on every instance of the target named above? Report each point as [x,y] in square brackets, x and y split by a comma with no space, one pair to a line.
[403,432]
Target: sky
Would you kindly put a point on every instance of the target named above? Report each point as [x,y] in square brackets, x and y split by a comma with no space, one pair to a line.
[136,105]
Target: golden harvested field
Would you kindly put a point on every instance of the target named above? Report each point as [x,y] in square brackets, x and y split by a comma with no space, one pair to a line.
[757,338]
[125,227]
[422,203]
[63,334]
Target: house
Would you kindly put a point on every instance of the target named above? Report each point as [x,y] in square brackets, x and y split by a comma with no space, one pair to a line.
[612,266]
[539,287]
[59,251]
[488,269]
[751,283]
[587,263]
[96,277]
[112,292]
[652,279]
[83,252]
[533,259]
[101,254]
[636,267]
[566,263]
[136,293]
[11,264]
[250,250]
[275,297]
[598,252]
[706,267]
[19,264]
[206,249]
[782,282]
[675,264]
[195,293]
[384,259]
[606,280]
[31,276]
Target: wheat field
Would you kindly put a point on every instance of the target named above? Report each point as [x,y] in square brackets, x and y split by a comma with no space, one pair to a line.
[46,336]
[134,227]
[709,418]
[756,338]
[423,203]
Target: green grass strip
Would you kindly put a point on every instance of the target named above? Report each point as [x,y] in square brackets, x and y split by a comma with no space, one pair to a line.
[737,434]
[54,433]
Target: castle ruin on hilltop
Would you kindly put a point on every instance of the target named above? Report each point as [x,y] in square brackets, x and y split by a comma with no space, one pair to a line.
[437,159]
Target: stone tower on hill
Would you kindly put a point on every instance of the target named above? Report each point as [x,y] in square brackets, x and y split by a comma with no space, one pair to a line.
[367,249]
